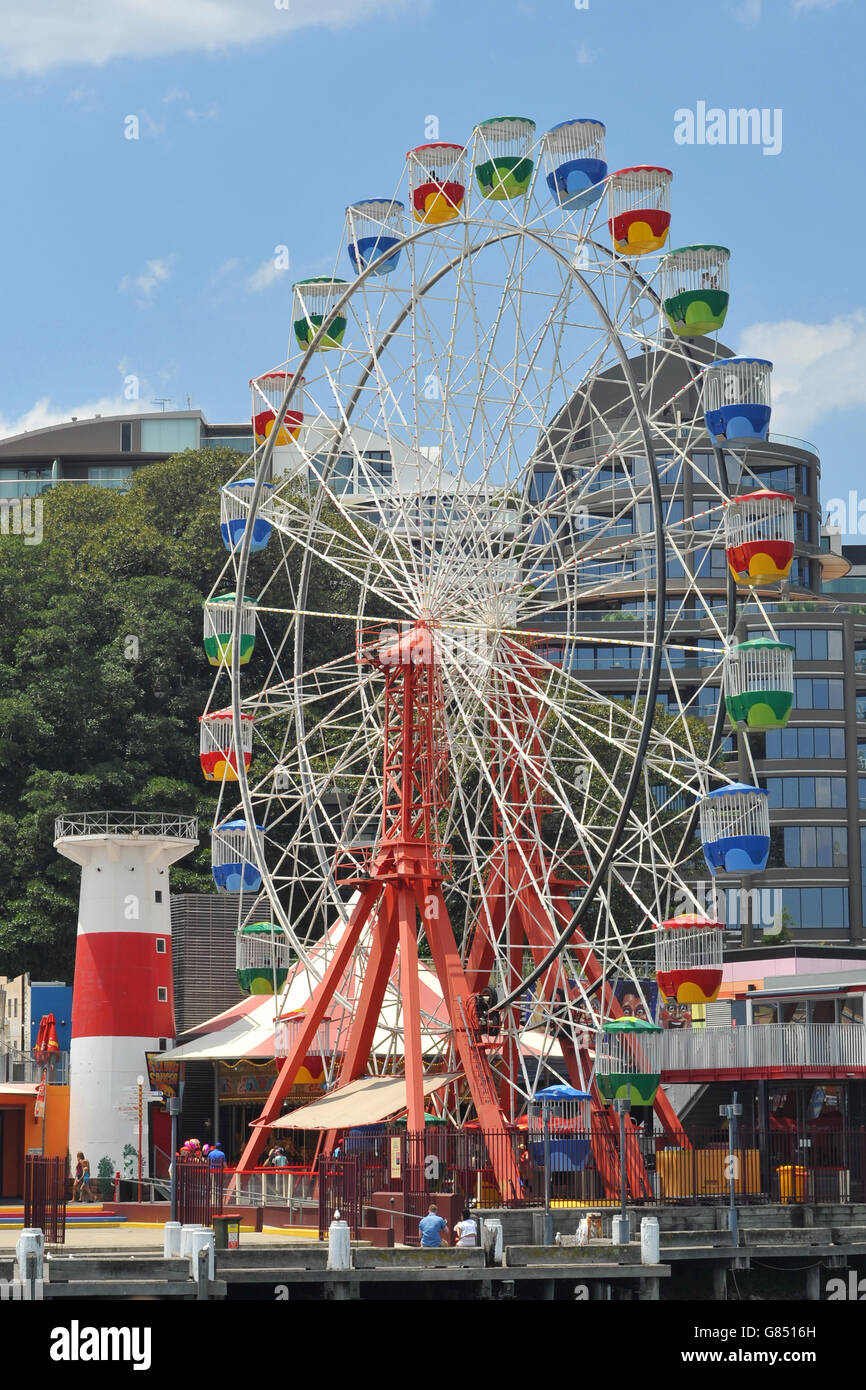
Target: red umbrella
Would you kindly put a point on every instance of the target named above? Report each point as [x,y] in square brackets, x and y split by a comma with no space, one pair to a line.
[46,1045]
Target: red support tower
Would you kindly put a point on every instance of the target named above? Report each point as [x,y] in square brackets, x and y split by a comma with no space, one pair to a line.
[403,888]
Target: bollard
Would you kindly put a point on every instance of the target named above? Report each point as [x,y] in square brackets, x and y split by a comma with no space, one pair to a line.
[171,1240]
[200,1274]
[339,1244]
[30,1242]
[621,1230]
[491,1240]
[649,1240]
[202,1239]
[186,1235]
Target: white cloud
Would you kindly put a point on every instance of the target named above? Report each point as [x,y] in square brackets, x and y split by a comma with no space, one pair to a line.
[819,369]
[54,33]
[43,413]
[748,12]
[155,273]
[178,94]
[210,113]
[266,274]
[84,96]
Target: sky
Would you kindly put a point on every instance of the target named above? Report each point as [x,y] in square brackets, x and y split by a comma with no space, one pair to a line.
[257,121]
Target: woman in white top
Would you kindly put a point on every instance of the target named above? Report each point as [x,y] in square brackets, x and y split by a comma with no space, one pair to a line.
[466,1230]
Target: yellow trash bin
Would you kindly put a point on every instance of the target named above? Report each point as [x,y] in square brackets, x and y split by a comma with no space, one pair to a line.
[792,1183]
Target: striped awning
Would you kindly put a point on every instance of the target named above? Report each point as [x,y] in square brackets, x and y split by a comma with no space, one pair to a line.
[362,1102]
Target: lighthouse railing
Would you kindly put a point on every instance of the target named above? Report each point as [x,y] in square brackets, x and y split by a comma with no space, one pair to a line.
[160,824]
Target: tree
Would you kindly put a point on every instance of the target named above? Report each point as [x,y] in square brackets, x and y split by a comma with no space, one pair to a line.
[103,677]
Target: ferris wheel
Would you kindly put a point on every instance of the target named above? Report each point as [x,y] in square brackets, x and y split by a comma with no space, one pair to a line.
[476,497]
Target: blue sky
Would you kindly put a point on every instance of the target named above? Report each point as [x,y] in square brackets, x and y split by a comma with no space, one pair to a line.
[259,120]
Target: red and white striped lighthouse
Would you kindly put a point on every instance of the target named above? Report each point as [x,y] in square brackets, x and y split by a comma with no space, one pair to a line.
[122,994]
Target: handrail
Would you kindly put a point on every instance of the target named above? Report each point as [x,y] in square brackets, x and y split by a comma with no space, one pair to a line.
[157,823]
[757,1046]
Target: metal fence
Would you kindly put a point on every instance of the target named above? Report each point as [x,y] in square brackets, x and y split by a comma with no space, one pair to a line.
[685,1167]
[200,1191]
[274,1187]
[45,1196]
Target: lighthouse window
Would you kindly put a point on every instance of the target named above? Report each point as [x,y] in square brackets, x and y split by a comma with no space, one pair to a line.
[157,897]
[160,945]
[162,994]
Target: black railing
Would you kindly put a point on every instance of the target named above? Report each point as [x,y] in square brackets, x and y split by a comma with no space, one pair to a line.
[45,1197]
[682,1167]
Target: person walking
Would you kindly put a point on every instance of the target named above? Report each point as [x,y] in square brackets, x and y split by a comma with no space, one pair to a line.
[466,1230]
[79,1174]
[432,1226]
[85,1190]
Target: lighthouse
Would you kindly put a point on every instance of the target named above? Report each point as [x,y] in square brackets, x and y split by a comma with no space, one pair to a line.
[122,994]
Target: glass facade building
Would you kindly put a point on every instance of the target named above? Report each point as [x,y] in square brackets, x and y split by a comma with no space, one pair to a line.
[813,769]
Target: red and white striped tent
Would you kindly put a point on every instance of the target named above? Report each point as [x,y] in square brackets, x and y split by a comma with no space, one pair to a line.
[247,1029]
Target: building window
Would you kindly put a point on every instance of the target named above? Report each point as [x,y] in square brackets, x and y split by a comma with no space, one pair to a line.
[812,846]
[850,1009]
[157,897]
[809,643]
[815,908]
[782,479]
[169,436]
[812,692]
[160,945]
[126,437]
[241,443]
[807,741]
[710,561]
[162,994]
[787,792]
[109,475]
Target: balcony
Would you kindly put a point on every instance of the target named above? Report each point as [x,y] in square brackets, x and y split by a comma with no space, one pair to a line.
[20,1069]
[755,1051]
[20,489]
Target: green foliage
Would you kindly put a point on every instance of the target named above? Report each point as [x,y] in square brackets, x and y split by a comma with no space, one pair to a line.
[105,1176]
[88,720]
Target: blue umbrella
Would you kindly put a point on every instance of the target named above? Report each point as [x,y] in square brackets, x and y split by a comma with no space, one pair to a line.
[562,1093]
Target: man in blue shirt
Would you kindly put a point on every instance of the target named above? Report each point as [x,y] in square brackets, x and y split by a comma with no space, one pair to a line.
[432,1225]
